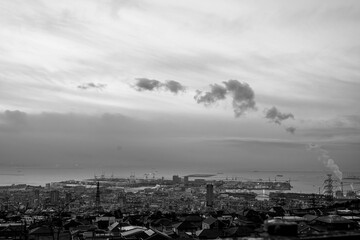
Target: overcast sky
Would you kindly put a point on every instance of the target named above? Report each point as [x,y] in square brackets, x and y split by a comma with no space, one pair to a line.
[146,84]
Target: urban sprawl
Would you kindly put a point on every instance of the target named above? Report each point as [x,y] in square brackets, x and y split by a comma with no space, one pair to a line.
[188,207]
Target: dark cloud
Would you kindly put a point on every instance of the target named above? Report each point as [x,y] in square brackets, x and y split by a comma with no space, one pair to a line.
[92,85]
[174,86]
[243,97]
[290,130]
[216,93]
[145,84]
[274,115]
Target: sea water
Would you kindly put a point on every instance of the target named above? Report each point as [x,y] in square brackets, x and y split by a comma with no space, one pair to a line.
[302,181]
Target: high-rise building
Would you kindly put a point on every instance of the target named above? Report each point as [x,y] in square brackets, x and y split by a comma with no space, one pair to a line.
[209,195]
[37,194]
[121,200]
[176,179]
[54,197]
[36,199]
[68,198]
[97,198]
[186,179]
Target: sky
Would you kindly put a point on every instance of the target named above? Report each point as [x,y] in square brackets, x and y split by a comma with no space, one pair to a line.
[201,86]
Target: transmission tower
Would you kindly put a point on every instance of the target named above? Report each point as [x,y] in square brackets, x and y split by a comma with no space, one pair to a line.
[328,188]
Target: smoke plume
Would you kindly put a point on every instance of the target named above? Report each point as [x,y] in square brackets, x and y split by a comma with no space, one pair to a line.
[243,97]
[85,86]
[145,84]
[274,115]
[326,160]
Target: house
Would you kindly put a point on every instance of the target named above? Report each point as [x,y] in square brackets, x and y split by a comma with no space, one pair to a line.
[105,221]
[277,211]
[280,227]
[310,218]
[98,234]
[253,216]
[208,234]
[12,230]
[212,223]
[115,229]
[194,219]
[335,222]
[71,224]
[185,227]
[306,230]
[158,236]
[41,233]
[162,224]
[239,231]
[139,233]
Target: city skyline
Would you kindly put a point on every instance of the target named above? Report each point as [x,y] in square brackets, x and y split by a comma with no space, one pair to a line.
[212,85]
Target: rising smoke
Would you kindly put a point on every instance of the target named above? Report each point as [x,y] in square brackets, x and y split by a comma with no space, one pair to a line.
[243,97]
[145,84]
[326,160]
